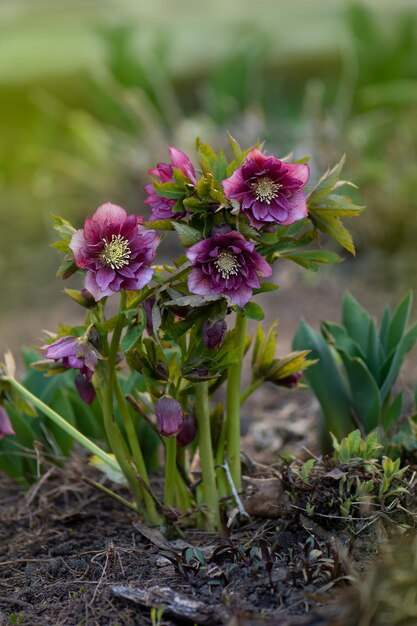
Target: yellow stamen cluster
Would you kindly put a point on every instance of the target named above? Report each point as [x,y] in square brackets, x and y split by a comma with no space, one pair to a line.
[227,264]
[266,189]
[116,253]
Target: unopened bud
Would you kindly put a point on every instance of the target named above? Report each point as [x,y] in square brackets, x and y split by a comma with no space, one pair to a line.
[169,416]
[213,333]
[188,431]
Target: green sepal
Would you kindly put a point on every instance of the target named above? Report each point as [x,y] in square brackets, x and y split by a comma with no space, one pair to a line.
[254,311]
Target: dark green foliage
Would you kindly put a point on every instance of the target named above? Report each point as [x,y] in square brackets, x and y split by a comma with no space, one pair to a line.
[358,365]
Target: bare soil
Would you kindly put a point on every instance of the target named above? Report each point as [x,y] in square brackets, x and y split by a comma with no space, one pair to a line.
[70,555]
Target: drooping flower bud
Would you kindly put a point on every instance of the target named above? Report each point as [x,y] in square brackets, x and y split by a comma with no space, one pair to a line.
[188,431]
[147,307]
[169,416]
[6,427]
[289,381]
[85,389]
[213,333]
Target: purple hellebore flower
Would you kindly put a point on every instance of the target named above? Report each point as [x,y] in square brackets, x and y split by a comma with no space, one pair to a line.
[6,427]
[76,353]
[115,250]
[213,333]
[169,416]
[269,190]
[188,431]
[228,265]
[161,208]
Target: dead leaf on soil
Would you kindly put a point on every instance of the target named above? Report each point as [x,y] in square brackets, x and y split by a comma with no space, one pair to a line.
[177,545]
[265,497]
[175,604]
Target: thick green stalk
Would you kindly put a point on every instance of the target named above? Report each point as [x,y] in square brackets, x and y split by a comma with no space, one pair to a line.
[114,436]
[206,455]
[62,423]
[233,405]
[170,470]
[136,450]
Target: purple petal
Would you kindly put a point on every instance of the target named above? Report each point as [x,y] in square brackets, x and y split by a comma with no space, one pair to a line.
[6,427]
[242,296]
[110,213]
[297,208]
[94,289]
[299,171]
[104,277]
[199,283]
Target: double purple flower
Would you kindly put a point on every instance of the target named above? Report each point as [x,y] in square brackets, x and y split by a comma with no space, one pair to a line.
[76,353]
[226,264]
[162,208]
[269,190]
[115,250]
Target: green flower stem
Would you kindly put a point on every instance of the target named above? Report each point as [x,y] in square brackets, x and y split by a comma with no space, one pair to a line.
[170,470]
[114,436]
[60,421]
[223,486]
[206,455]
[136,451]
[182,494]
[233,405]
[249,391]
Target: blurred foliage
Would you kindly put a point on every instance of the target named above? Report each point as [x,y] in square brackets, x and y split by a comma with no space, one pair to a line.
[79,140]
[38,438]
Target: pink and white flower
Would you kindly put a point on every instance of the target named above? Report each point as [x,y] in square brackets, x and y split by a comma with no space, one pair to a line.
[115,250]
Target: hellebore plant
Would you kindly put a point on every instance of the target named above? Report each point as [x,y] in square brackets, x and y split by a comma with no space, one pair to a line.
[170,346]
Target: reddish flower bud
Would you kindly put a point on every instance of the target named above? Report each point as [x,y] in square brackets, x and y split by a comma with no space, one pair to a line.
[85,389]
[169,416]
[188,431]
[213,333]
[6,427]
[289,381]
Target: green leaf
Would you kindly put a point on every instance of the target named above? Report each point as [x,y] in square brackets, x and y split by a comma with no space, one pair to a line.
[188,235]
[266,287]
[237,150]
[169,190]
[364,392]
[384,330]
[374,356]
[265,346]
[67,267]
[131,337]
[394,362]
[356,320]
[392,413]
[193,301]
[399,321]
[327,182]
[332,226]
[288,365]
[254,311]
[159,224]
[338,336]
[326,380]
[337,205]
[311,258]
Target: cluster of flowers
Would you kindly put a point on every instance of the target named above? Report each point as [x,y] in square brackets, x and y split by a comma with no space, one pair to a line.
[116,250]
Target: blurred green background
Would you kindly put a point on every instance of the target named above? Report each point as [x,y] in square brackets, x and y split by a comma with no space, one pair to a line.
[91,93]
